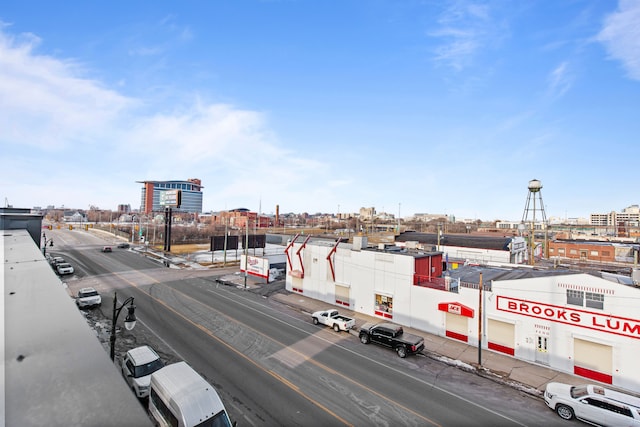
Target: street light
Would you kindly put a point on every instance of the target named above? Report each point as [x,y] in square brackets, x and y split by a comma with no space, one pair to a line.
[50,242]
[129,321]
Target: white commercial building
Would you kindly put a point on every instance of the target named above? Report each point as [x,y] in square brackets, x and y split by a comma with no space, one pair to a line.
[569,321]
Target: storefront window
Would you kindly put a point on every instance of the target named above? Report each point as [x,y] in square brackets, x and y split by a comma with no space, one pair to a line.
[384,306]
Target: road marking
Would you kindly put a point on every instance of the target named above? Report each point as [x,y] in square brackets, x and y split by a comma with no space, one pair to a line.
[219,340]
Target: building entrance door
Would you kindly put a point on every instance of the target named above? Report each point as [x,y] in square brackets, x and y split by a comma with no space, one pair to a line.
[542,350]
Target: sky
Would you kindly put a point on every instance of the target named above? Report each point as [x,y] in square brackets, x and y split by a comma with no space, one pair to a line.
[412,106]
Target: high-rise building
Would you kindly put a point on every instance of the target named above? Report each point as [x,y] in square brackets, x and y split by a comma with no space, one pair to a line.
[191,199]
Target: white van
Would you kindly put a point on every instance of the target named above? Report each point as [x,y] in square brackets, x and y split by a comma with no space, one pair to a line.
[179,396]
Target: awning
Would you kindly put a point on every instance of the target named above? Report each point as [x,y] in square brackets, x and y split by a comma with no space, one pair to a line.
[456,308]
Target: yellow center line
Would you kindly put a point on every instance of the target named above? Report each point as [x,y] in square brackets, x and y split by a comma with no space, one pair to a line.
[273,374]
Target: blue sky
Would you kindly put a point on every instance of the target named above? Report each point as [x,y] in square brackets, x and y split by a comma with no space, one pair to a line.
[324,106]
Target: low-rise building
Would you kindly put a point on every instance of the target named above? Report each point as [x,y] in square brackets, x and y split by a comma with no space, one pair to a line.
[570,321]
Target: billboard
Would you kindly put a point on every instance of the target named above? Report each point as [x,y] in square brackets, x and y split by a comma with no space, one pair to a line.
[217,243]
[171,198]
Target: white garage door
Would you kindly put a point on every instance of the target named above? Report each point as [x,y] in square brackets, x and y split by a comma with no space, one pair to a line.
[593,360]
[457,327]
[342,295]
[501,336]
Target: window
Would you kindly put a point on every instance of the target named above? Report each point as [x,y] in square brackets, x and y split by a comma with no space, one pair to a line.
[593,253]
[561,250]
[595,402]
[551,250]
[384,305]
[221,419]
[619,409]
[573,252]
[594,300]
[585,299]
[575,297]
[163,409]
[605,253]
[578,391]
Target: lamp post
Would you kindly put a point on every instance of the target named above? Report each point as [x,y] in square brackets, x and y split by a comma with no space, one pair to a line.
[49,241]
[129,321]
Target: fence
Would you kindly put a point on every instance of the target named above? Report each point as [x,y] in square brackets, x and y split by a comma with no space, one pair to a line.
[446,284]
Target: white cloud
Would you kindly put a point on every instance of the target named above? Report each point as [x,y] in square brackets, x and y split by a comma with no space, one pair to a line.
[465,28]
[103,141]
[560,80]
[46,102]
[621,36]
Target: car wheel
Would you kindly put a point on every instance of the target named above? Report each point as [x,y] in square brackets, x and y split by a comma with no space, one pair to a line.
[315,320]
[402,351]
[336,328]
[565,412]
[364,338]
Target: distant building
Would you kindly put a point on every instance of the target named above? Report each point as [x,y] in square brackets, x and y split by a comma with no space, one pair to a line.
[629,216]
[514,225]
[426,217]
[367,213]
[191,190]
[239,218]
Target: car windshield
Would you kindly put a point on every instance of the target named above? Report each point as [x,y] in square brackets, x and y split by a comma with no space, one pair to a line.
[579,391]
[147,369]
[84,294]
[64,265]
[221,419]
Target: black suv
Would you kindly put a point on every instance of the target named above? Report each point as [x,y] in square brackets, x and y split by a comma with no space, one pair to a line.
[123,245]
[393,336]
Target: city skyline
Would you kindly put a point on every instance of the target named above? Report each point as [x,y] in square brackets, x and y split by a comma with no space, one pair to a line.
[413,107]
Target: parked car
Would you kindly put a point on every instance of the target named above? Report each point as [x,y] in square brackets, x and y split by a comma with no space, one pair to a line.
[333,319]
[64,268]
[54,261]
[106,249]
[593,404]
[123,245]
[179,396]
[393,336]
[137,366]
[88,297]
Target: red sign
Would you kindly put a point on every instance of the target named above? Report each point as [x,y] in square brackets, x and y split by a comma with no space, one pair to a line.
[570,316]
[456,308]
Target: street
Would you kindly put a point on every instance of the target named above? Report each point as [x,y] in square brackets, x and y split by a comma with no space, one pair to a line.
[269,363]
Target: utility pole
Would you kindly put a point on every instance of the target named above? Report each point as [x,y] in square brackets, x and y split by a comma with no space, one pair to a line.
[480,322]
[226,222]
[246,253]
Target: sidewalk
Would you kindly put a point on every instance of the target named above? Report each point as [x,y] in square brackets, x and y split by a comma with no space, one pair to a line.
[527,377]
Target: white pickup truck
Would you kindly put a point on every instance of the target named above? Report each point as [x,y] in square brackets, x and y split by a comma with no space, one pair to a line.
[333,319]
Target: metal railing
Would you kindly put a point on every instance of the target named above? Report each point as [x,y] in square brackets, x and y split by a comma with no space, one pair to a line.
[446,283]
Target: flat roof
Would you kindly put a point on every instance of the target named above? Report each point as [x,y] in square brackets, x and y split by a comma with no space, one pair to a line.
[56,372]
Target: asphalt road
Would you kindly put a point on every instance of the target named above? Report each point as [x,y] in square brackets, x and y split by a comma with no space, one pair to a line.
[271,365]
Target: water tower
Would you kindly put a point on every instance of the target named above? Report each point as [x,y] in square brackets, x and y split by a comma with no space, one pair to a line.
[534,206]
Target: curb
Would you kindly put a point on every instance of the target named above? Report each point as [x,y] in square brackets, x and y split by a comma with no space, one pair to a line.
[471,368]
